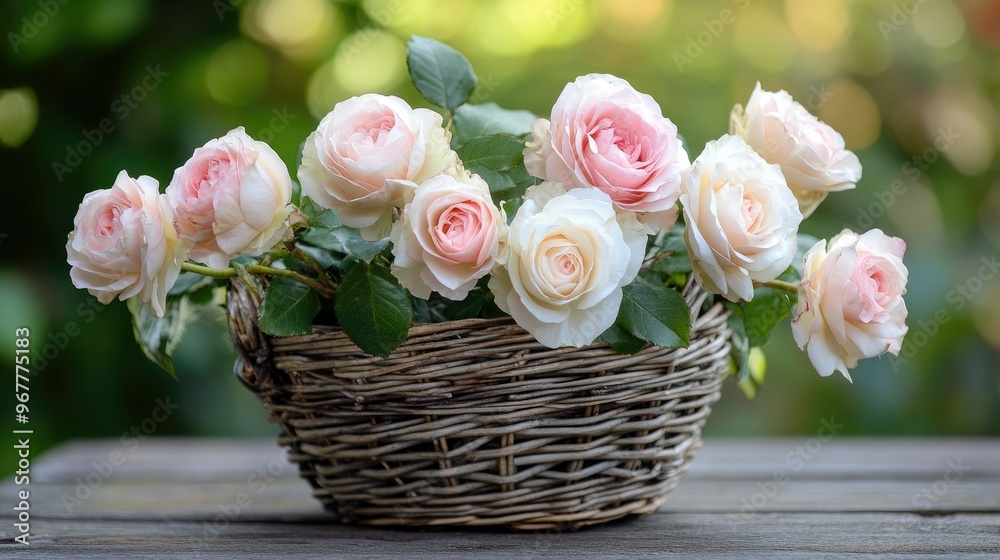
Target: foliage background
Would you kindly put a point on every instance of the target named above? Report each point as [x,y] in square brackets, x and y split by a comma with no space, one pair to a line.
[893,77]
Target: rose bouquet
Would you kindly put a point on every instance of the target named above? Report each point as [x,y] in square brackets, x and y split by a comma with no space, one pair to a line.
[584,227]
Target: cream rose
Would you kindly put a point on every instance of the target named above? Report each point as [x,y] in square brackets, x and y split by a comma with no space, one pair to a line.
[123,244]
[565,265]
[605,134]
[232,197]
[448,237]
[812,155]
[741,219]
[850,302]
[362,154]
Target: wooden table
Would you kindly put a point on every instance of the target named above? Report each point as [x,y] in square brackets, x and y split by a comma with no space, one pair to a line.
[222,498]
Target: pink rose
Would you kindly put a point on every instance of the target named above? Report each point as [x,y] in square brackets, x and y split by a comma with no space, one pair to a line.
[355,161]
[850,303]
[605,134]
[232,198]
[448,238]
[812,155]
[123,244]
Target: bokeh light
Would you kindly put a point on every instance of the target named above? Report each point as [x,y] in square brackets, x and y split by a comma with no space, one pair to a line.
[635,20]
[18,116]
[852,111]
[940,23]
[818,26]
[521,27]
[236,73]
[299,28]
[764,40]
[960,118]
[108,21]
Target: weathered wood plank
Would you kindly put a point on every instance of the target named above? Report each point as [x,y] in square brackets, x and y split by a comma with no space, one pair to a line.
[660,536]
[291,499]
[193,479]
[754,459]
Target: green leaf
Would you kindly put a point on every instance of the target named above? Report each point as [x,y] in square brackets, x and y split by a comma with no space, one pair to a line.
[207,294]
[374,310]
[678,260]
[622,341]
[289,308]
[326,232]
[467,308]
[324,257]
[346,240]
[421,310]
[188,282]
[739,355]
[296,193]
[471,121]
[763,312]
[499,160]
[440,73]
[655,313]
[318,216]
[158,337]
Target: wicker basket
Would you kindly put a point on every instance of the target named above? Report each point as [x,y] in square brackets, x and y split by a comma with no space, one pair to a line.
[472,422]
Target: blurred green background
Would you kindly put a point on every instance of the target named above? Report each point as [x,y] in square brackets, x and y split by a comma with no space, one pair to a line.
[90,88]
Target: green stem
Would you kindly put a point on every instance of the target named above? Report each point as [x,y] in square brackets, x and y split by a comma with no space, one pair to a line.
[206,271]
[782,285]
[326,291]
[303,256]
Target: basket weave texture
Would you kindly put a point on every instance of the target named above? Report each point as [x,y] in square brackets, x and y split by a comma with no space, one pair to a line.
[472,422]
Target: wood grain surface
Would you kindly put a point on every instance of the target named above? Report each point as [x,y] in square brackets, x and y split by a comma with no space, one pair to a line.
[795,498]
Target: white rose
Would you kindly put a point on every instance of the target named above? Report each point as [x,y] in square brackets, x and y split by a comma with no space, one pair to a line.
[741,219]
[567,259]
[364,151]
[811,154]
[850,302]
[448,237]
